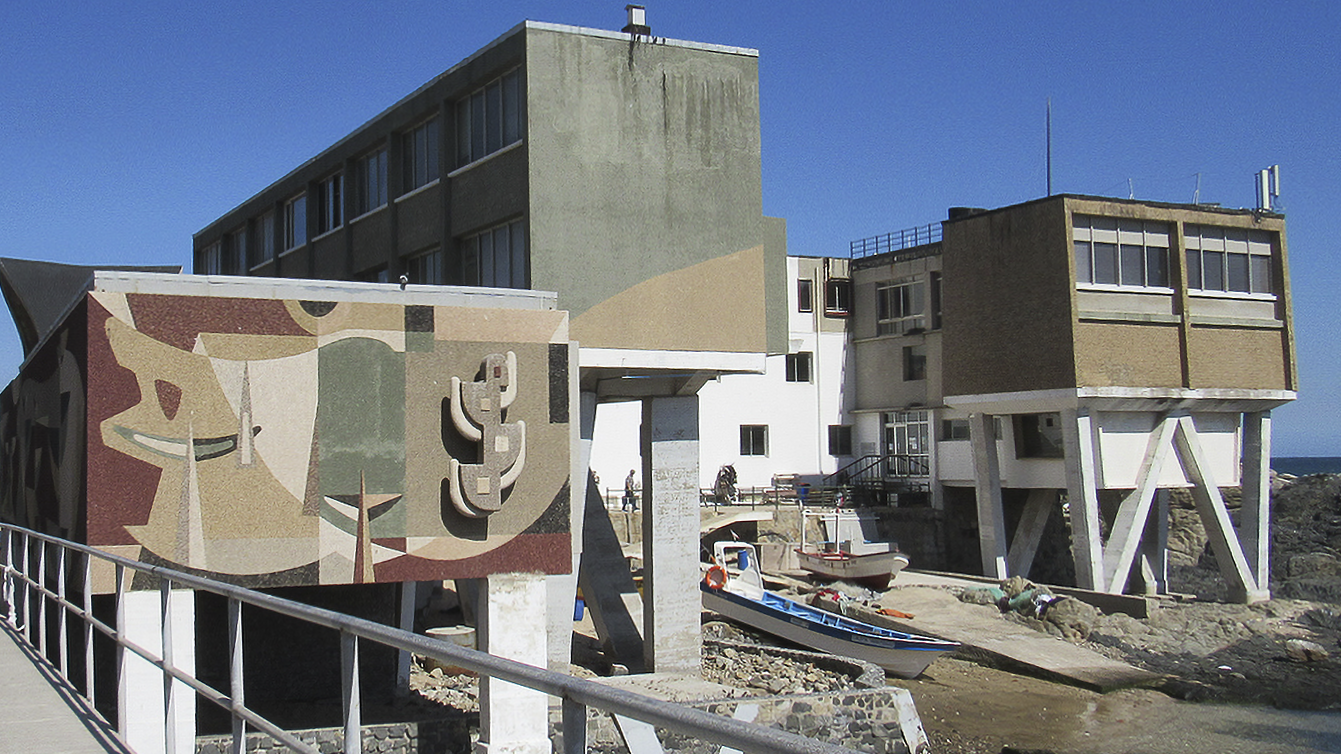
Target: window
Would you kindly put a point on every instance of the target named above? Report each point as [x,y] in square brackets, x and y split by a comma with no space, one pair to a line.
[211,259]
[419,150]
[915,362]
[1038,436]
[907,445]
[954,429]
[1126,253]
[497,257]
[426,269]
[330,214]
[489,119]
[754,439]
[805,295]
[370,182]
[798,366]
[235,261]
[1228,260]
[840,439]
[900,308]
[837,297]
[265,237]
[935,301]
[295,222]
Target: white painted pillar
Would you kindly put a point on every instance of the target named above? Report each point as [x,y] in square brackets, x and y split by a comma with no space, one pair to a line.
[1082,494]
[671,602]
[511,613]
[561,589]
[987,489]
[141,702]
[1155,547]
[1255,515]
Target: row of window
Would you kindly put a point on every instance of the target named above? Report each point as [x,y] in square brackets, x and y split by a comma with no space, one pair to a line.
[494,258]
[488,120]
[1135,253]
[837,296]
[754,439]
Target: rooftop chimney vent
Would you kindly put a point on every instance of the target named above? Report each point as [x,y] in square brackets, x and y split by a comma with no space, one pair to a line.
[637,21]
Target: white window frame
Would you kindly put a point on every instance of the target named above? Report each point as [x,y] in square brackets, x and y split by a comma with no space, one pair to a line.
[1204,243]
[900,307]
[295,227]
[1094,238]
[750,445]
[805,295]
[330,204]
[799,362]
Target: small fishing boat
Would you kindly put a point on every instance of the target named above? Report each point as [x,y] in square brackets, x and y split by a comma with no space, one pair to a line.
[847,554]
[873,570]
[734,587]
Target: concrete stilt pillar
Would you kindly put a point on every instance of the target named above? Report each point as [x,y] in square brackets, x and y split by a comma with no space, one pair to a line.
[511,614]
[561,589]
[1155,547]
[142,705]
[992,535]
[1082,494]
[1255,515]
[671,603]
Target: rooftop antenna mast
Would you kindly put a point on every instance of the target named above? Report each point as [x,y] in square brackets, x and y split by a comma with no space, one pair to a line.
[1049,130]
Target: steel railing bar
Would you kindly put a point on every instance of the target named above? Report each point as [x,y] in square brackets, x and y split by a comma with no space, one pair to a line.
[349,683]
[63,642]
[87,615]
[169,688]
[42,601]
[575,692]
[236,684]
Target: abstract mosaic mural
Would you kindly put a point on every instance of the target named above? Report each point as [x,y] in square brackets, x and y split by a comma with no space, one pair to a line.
[278,442]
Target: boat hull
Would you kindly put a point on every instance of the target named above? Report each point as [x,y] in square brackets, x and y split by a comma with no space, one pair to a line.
[875,570]
[901,654]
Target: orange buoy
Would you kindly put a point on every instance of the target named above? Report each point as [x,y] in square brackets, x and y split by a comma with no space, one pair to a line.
[715,578]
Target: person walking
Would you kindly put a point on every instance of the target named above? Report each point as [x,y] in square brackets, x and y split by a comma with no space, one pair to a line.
[630,492]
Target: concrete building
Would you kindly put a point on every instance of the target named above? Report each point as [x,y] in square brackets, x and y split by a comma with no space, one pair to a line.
[618,169]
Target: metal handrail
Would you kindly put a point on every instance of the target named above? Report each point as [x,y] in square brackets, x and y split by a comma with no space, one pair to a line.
[898,240]
[861,469]
[577,694]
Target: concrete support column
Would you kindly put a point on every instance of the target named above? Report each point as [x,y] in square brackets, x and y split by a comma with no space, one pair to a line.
[1255,515]
[671,603]
[511,614]
[1155,547]
[142,705]
[1082,494]
[987,489]
[561,589]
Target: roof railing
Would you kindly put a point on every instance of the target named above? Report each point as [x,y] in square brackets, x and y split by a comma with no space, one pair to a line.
[896,241]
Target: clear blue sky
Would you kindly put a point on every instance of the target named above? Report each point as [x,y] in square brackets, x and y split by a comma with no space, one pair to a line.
[129,126]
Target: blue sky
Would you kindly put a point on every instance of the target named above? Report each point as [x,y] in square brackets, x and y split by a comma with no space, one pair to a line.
[128,127]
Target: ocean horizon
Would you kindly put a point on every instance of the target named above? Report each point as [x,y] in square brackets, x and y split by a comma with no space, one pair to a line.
[1305,465]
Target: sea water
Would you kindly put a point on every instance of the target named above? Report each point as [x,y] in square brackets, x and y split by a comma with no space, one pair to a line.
[1305,465]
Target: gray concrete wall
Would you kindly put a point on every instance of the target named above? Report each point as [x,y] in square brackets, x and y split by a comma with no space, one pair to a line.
[646,207]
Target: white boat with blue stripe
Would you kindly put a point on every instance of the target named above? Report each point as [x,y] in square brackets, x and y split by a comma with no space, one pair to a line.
[734,588]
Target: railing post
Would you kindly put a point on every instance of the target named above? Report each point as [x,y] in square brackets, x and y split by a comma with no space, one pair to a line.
[122,693]
[236,692]
[42,597]
[62,641]
[27,596]
[9,577]
[169,686]
[88,630]
[349,677]
[574,727]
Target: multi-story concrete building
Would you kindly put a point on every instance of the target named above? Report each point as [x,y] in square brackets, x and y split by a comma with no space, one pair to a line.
[617,169]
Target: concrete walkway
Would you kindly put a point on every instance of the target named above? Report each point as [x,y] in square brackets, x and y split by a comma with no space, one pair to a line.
[39,713]
[983,633]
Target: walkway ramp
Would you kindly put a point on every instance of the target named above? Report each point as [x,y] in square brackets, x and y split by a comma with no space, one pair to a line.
[39,714]
[989,638]
[718,522]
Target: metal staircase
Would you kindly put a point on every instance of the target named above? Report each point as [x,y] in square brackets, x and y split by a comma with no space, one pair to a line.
[882,479]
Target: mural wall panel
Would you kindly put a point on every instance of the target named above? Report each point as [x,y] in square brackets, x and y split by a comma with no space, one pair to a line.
[278,443]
